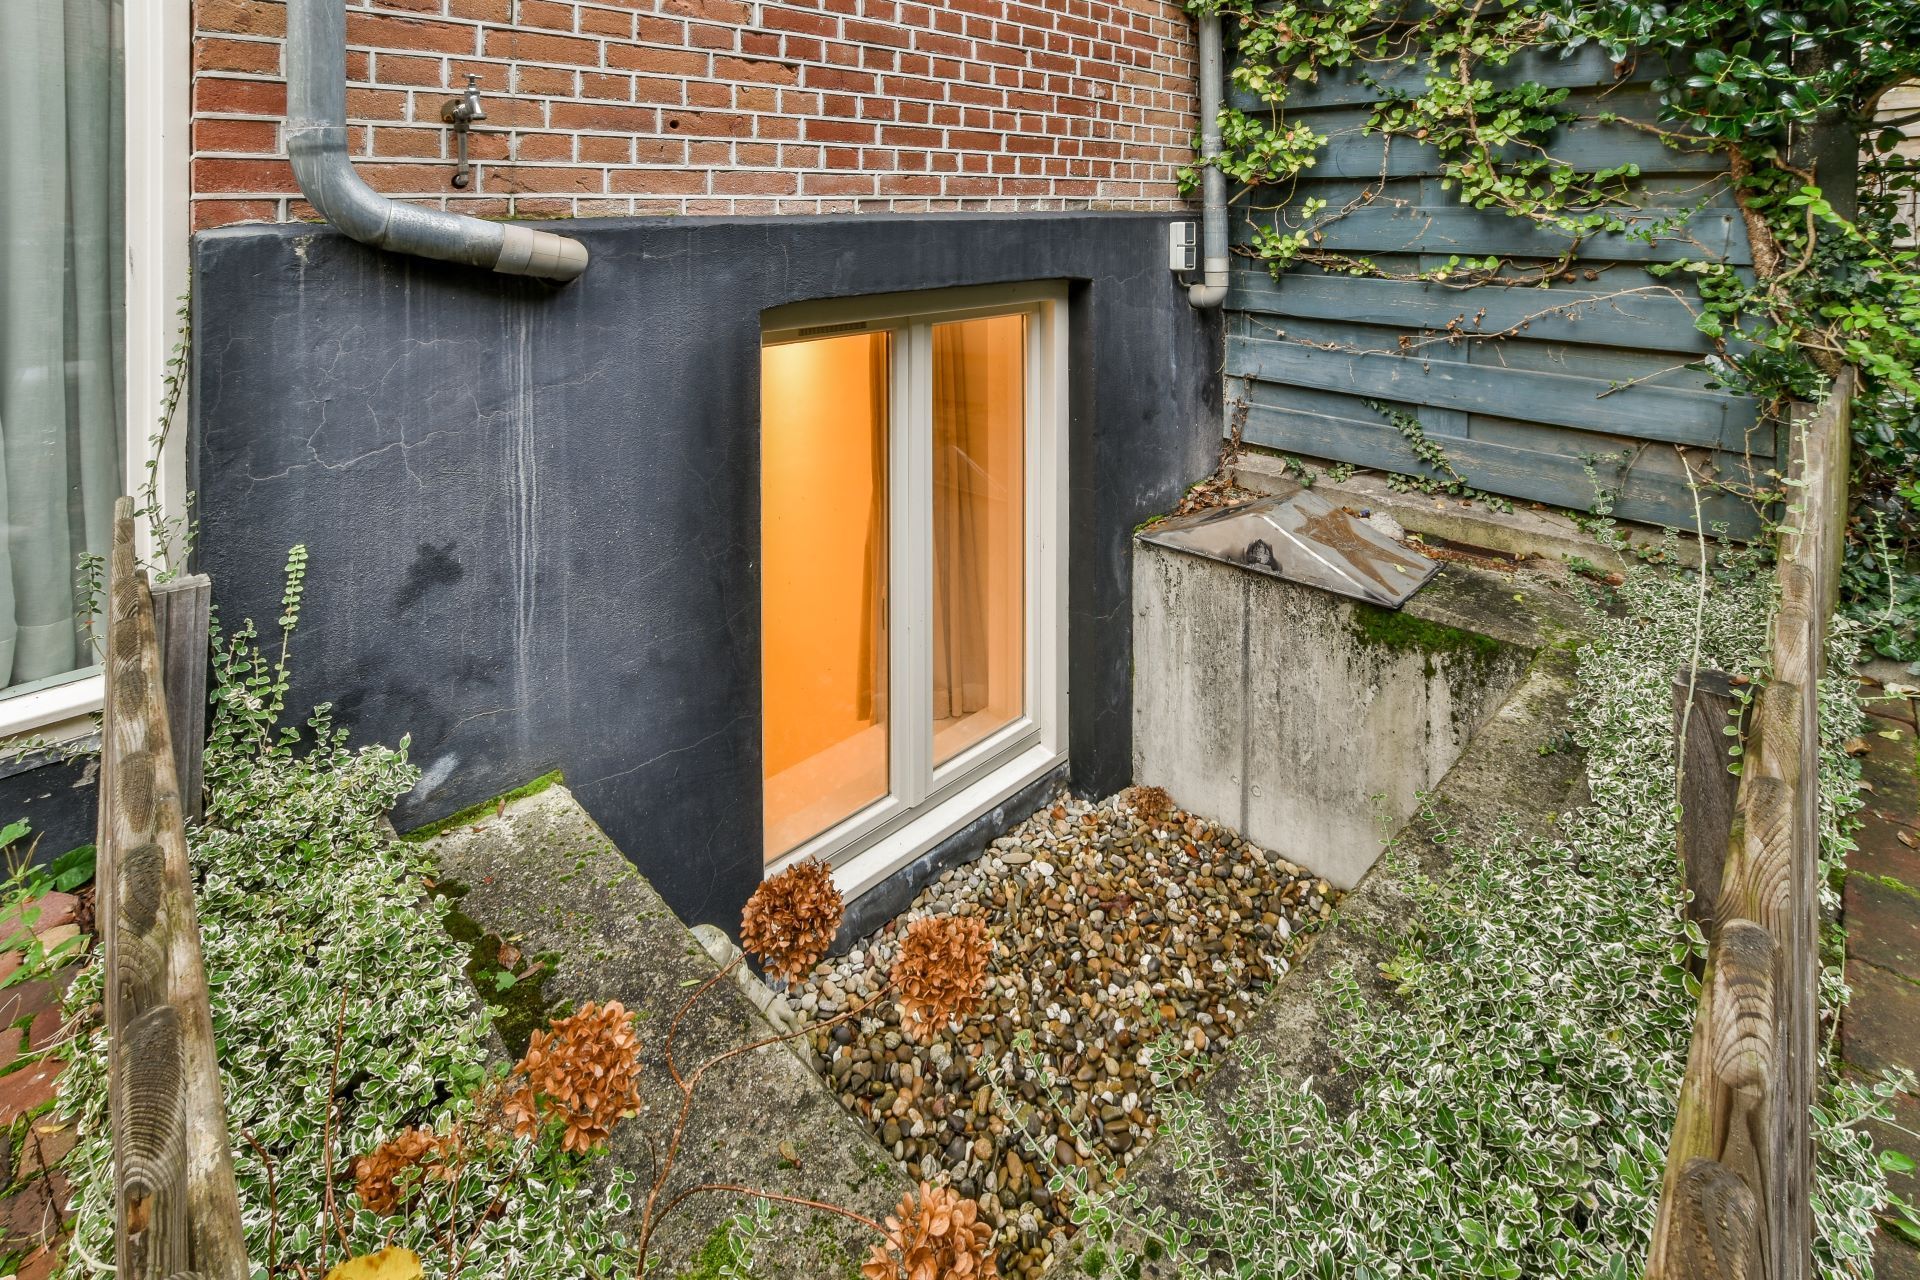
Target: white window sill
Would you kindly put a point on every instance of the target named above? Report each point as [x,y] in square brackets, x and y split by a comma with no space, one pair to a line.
[872,865]
[58,713]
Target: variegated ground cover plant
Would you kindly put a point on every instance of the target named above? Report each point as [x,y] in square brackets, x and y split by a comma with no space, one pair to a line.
[330,979]
[370,1135]
[1513,1096]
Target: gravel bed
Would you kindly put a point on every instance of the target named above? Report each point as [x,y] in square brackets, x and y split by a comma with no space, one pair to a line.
[1114,924]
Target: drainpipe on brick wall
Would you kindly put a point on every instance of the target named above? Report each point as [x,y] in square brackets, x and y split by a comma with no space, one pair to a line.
[317,145]
[1212,291]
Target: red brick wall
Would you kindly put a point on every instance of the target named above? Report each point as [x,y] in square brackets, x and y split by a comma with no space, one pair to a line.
[614,107]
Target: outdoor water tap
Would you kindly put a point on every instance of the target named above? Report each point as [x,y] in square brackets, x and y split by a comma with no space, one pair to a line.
[461,113]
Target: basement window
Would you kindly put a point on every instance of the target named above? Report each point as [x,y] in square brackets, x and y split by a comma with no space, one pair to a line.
[912,518]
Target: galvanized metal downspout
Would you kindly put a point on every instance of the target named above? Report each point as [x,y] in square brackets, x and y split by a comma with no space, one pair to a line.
[1212,290]
[317,145]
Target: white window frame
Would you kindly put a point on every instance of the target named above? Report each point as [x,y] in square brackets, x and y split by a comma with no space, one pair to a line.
[158,40]
[926,804]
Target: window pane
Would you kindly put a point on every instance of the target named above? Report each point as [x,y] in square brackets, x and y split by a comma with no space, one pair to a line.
[823,584]
[62,403]
[979,510]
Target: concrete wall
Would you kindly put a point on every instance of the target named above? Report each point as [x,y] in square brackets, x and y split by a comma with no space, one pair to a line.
[58,798]
[1310,722]
[533,512]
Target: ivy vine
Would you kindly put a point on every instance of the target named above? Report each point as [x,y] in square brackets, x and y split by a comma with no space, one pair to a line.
[1787,93]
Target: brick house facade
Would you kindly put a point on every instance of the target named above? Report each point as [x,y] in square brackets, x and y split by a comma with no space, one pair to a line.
[601,108]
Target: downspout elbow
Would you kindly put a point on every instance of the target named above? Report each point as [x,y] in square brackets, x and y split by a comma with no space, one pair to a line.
[1211,291]
[317,146]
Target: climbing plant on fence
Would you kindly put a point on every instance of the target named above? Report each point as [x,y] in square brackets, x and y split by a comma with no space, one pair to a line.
[1786,92]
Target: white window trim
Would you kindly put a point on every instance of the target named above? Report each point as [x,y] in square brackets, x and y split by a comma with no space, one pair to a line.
[158,39]
[878,841]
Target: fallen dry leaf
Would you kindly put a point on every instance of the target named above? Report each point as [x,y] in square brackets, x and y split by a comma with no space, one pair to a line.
[1906,839]
[388,1264]
[1856,746]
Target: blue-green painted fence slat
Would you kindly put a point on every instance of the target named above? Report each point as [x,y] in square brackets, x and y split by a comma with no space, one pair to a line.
[1468,232]
[1645,314]
[1584,145]
[1597,364]
[1605,365]
[1552,475]
[1647,412]
[1587,67]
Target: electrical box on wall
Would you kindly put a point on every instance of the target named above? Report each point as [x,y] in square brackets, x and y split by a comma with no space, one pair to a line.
[1183,246]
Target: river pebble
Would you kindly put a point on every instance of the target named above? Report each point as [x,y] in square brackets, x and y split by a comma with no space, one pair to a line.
[1113,929]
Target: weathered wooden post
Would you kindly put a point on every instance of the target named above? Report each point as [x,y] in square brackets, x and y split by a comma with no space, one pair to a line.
[181,613]
[1704,706]
[176,1206]
[1736,1203]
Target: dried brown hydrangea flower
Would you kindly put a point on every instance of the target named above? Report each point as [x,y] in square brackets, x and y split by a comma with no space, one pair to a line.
[941,972]
[584,1071]
[935,1234]
[790,920]
[381,1176]
[1149,802]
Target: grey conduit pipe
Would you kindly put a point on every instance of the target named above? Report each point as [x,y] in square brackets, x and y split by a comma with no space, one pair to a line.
[317,145]
[1212,289]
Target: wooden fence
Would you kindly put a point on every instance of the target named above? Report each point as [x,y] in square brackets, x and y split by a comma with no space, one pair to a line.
[1735,1204]
[177,1211]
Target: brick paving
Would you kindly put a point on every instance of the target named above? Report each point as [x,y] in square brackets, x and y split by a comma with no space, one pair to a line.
[33,1192]
[1881,912]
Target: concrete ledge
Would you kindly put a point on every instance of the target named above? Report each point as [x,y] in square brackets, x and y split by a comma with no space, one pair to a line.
[544,876]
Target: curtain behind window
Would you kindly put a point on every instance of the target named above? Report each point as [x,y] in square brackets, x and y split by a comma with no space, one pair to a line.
[62,402]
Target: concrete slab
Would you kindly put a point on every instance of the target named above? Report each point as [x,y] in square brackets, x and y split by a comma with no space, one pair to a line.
[1881,1028]
[1894,1258]
[1883,926]
[1882,848]
[543,876]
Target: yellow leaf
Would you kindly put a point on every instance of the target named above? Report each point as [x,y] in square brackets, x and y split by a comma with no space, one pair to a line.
[388,1264]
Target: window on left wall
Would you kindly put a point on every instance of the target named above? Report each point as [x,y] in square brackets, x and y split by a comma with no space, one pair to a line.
[62,325]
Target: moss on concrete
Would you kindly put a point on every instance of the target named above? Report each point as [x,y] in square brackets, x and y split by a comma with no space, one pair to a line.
[485,809]
[715,1258]
[519,1003]
[1403,632]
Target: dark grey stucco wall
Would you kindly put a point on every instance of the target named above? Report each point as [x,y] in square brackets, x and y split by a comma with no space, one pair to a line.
[532,511]
[56,796]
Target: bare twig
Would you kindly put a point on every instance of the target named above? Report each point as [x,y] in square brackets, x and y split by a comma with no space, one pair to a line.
[326,1136]
[273,1205]
[674,1026]
[757,1194]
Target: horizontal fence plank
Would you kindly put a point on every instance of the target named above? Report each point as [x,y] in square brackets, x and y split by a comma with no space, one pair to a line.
[1715,235]
[1552,476]
[1586,145]
[1647,412]
[1586,67]
[1646,315]
[1605,366]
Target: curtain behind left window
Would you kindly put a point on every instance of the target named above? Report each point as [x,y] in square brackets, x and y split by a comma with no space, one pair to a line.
[62,322]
